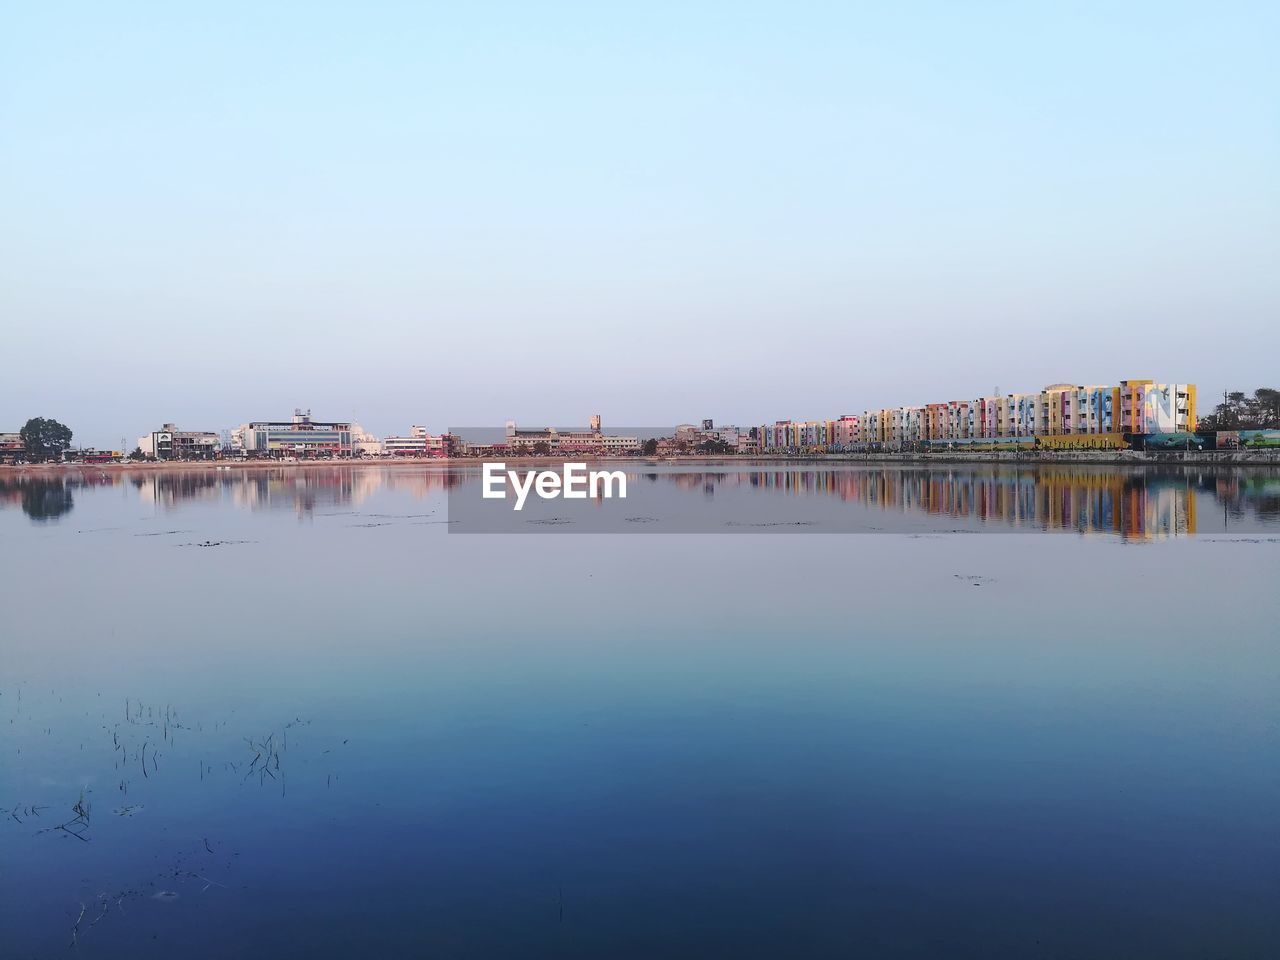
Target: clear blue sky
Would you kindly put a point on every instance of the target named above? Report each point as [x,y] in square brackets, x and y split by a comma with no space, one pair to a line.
[458,213]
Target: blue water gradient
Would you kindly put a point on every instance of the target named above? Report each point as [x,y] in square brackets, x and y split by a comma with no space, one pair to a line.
[893,746]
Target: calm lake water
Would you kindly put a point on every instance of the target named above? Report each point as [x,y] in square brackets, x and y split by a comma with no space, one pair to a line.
[295,713]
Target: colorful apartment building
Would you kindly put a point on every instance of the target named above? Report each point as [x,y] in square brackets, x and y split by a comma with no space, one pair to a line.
[846,431]
[1061,410]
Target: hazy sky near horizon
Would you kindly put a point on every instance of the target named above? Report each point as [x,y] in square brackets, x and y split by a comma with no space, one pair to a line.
[445,213]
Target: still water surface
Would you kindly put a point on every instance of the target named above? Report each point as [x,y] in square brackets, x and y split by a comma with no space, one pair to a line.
[344,730]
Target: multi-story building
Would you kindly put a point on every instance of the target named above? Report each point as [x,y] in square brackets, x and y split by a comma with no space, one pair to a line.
[845,431]
[728,434]
[814,434]
[1016,415]
[1061,410]
[12,447]
[748,440]
[404,447]
[1148,407]
[170,443]
[914,424]
[300,437]
[608,443]
[781,435]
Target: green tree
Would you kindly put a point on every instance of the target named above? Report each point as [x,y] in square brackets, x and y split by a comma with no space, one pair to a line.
[1266,401]
[1240,411]
[45,439]
[650,447]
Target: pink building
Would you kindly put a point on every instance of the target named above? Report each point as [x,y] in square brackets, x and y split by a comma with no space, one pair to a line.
[845,431]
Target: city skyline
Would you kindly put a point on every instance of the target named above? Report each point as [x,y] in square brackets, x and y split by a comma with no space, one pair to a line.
[1089,414]
[399,429]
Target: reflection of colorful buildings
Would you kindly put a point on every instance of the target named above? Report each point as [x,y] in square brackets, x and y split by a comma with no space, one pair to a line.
[1084,499]
[1139,503]
[273,488]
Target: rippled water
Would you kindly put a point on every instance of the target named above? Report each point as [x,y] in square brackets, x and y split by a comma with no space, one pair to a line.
[302,716]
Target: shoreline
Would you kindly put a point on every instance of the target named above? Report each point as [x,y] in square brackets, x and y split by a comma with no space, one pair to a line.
[1230,458]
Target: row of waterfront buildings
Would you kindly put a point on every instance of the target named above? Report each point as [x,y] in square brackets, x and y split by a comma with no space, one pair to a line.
[299,437]
[1061,415]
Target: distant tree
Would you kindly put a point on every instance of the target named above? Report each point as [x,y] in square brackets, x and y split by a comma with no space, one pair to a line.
[541,448]
[1239,411]
[1267,403]
[45,439]
[650,447]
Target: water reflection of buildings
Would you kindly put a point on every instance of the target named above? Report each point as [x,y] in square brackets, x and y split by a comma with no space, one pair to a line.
[302,490]
[47,497]
[43,497]
[1244,494]
[1139,503]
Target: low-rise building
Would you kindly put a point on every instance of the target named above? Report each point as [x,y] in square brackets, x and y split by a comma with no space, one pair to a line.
[553,441]
[93,455]
[170,443]
[472,448]
[363,443]
[419,443]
